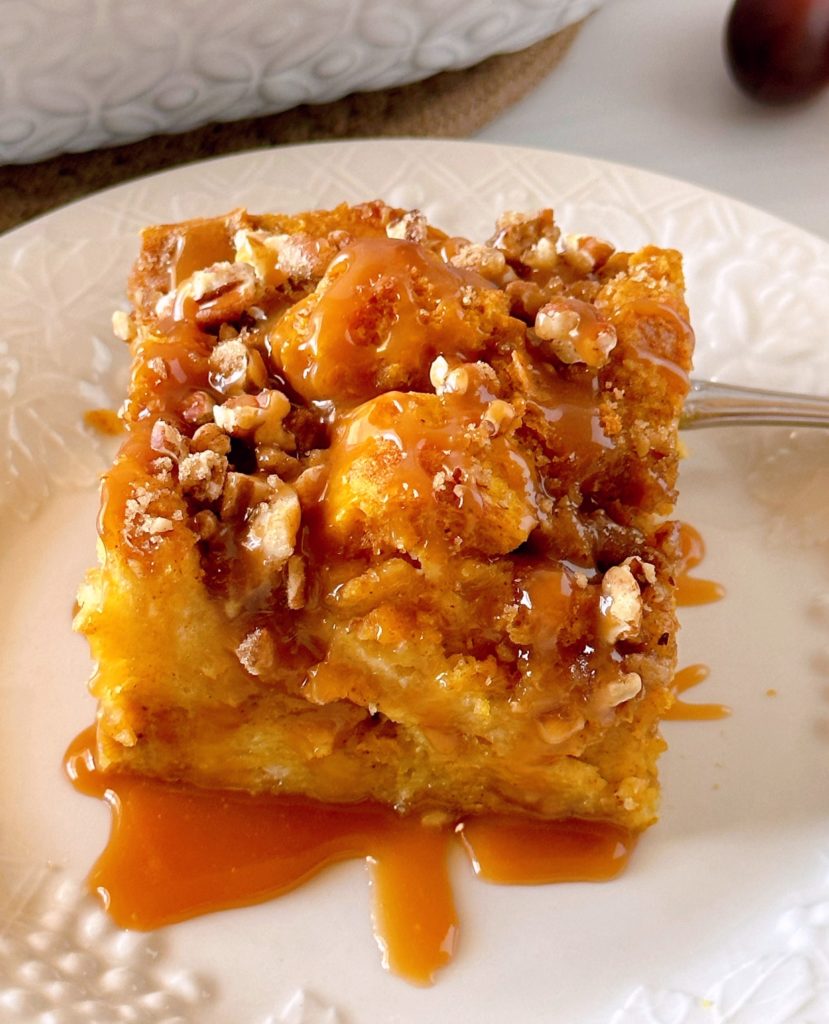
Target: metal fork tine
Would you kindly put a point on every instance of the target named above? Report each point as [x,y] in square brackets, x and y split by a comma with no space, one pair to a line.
[710,404]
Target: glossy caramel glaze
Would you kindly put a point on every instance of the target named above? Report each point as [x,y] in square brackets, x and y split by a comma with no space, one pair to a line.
[523,851]
[336,348]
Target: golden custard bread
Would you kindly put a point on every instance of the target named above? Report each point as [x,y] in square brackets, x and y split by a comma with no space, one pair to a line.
[390,520]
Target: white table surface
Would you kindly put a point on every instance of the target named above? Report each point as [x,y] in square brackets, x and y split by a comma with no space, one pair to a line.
[645,83]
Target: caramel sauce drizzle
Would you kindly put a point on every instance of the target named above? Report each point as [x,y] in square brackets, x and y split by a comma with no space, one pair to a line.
[693,591]
[415,436]
[690,589]
[177,851]
[347,343]
[656,321]
[570,412]
[682,711]
[202,244]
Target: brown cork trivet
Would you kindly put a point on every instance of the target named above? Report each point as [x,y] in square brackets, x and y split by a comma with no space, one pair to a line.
[452,104]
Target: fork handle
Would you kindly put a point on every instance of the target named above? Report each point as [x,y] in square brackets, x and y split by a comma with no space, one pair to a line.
[716,405]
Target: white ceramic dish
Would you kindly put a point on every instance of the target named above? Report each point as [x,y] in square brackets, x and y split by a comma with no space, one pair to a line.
[723,915]
[79,74]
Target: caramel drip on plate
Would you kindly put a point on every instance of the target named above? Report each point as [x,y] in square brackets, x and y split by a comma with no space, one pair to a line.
[693,591]
[104,421]
[690,589]
[681,711]
[177,851]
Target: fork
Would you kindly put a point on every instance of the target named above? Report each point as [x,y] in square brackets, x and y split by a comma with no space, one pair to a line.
[708,404]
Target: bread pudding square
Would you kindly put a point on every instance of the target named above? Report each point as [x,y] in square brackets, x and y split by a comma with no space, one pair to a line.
[391,518]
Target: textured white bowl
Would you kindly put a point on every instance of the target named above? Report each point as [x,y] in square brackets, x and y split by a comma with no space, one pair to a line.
[80,74]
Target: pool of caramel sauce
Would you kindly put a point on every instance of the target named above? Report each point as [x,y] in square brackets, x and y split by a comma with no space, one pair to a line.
[178,851]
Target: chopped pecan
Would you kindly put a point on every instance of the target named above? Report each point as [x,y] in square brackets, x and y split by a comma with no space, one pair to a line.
[123,326]
[198,408]
[485,260]
[525,299]
[643,571]
[205,524]
[220,292]
[299,257]
[446,381]
[234,368]
[411,226]
[459,379]
[168,440]
[623,689]
[272,528]
[585,253]
[576,333]
[241,493]
[555,729]
[295,582]
[210,437]
[309,484]
[498,416]
[258,416]
[202,475]
[256,652]
[272,459]
[528,239]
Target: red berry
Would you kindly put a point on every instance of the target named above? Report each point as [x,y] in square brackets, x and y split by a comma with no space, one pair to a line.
[778,50]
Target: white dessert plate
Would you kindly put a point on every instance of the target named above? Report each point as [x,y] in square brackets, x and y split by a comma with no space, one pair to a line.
[723,915]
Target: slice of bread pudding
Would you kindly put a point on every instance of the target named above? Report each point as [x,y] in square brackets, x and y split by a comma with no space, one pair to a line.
[390,521]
